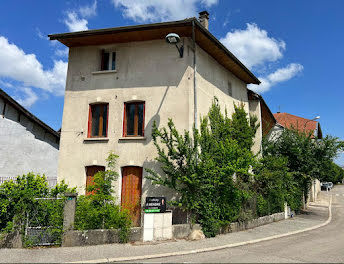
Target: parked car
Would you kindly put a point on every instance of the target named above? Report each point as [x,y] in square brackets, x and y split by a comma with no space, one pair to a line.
[330,184]
[325,186]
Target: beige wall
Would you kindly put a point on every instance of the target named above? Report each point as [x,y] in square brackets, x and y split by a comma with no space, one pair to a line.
[254,106]
[150,71]
[212,80]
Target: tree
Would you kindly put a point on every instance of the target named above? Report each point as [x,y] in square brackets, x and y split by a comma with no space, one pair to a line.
[307,158]
[200,166]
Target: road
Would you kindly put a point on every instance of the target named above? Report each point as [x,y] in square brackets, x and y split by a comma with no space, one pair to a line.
[325,244]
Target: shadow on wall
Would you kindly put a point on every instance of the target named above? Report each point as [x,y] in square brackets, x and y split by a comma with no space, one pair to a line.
[218,76]
[178,216]
[13,119]
[156,118]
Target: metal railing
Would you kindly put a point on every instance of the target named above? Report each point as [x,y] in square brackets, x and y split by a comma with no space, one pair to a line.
[51,181]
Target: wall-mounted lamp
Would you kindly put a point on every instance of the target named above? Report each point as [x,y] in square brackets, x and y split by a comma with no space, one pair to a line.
[174,38]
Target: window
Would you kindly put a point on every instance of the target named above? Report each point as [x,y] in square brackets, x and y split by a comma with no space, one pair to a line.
[134,119]
[98,120]
[230,92]
[108,61]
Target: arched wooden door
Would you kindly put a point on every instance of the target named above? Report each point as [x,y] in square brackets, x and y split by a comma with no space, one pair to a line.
[90,172]
[131,192]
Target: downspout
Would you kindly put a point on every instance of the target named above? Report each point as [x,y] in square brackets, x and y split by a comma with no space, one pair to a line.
[195,72]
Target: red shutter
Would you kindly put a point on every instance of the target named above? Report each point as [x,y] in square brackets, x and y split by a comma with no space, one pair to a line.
[107,120]
[89,122]
[102,61]
[143,119]
[124,121]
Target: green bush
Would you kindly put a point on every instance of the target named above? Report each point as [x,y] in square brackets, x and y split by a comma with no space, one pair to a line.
[200,167]
[19,204]
[99,209]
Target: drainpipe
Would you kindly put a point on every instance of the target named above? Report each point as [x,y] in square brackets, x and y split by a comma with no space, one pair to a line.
[195,72]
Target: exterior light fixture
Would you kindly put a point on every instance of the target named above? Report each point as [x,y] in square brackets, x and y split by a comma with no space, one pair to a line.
[173,38]
[315,118]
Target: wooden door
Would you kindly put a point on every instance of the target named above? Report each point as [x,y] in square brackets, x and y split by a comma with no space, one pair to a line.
[131,192]
[90,172]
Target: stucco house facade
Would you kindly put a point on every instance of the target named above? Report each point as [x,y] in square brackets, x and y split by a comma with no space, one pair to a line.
[121,80]
[26,143]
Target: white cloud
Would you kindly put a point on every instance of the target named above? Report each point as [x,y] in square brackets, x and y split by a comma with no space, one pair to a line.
[160,10]
[6,84]
[253,46]
[281,75]
[15,64]
[74,22]
[88,11]
[41,35]
[209,3]
[62,52]
[30,97]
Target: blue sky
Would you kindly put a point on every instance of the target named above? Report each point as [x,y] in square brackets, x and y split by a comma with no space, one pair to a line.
[293,46]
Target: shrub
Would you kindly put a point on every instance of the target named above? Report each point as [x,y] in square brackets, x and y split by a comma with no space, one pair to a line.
[19,204]
[99,209]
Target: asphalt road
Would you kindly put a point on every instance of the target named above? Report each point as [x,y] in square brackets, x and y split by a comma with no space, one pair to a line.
[325,244]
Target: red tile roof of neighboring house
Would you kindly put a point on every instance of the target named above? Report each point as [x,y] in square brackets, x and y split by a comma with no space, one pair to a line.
[299,123]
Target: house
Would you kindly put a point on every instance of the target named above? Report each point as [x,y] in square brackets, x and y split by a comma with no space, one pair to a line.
[121,80]
[301,124]
[26,143]
[267,121]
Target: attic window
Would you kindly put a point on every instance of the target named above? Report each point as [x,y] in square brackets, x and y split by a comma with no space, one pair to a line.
[108,61]
[230,92]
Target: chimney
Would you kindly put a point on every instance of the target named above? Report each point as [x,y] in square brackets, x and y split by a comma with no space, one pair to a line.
[204,19]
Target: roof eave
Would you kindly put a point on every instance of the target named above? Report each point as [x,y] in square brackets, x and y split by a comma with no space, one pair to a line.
[27,113]
[186,22]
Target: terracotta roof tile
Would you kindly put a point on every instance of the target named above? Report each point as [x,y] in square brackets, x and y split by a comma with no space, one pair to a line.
[296,122]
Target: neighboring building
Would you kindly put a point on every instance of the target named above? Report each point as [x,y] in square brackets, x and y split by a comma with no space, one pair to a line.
[26,143]
[301,124]
[266,119]
[121,80]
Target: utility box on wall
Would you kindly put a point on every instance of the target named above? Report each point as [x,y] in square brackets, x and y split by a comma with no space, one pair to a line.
[157,221]
[157,226]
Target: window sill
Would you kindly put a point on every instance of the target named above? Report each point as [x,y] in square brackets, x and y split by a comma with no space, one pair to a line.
[96,139]
[132,138]
[104,72]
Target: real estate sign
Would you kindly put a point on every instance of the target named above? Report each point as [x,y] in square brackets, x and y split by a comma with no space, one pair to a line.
[155,205]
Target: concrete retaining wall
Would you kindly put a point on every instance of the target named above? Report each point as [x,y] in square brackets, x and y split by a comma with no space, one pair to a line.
[75,238]
[241,226]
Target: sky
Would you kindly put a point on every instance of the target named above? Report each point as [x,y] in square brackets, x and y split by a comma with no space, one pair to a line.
[294,47]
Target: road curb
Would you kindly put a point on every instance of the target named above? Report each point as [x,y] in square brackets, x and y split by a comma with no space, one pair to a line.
[202,250]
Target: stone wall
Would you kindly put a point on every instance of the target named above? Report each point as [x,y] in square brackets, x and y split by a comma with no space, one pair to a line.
[107,236]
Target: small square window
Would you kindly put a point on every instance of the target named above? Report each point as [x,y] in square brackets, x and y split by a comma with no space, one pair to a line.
[134,119]
[98,120]
[230,92]
[108,61]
